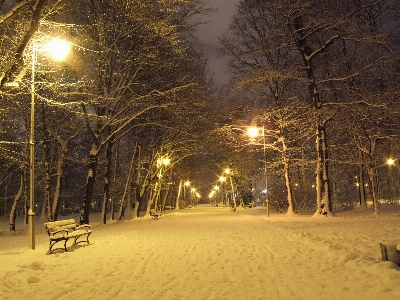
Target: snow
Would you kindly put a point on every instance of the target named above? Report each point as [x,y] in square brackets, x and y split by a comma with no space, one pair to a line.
[211,253]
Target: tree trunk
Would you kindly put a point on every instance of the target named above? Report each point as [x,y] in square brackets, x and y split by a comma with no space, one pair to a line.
[179,194]
[361,181]
[91,177]
[138,200]
[372,178]
[324,201]
[47,171]
[112,191]
[127,184]
[18,196]
[233,192]
[285,161]
[57,191]
[154,194]
[326,196]
[166,192]
[107,179]
[305,188]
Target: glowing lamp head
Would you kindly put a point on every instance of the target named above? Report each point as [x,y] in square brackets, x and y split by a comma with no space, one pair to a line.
[390,161]
[166,161]
[252,132]
[58,49]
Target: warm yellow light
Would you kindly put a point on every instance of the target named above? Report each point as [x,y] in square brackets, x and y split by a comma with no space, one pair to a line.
[222,178]
[193,190]
[58,49]
[166,161]
[253,132]
[227,171]
[390,161]
[187,183]
[216,188]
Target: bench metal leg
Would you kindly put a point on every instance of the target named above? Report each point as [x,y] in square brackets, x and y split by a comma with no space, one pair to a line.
[86,241]
[51,245]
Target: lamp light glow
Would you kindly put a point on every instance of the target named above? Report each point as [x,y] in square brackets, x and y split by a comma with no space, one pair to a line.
[58,49]
[253,132]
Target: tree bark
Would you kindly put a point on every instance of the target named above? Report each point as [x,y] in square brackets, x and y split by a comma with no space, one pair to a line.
[179,194]
[285,161]
[127,184]
[90,180]
[106,188]
[13,212]
[361,181]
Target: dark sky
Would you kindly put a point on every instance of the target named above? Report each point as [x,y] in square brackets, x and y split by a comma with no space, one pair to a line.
[208,34]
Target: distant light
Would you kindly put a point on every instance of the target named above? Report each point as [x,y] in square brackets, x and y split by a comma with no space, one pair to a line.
[390,161]
[58,49]
[253,132]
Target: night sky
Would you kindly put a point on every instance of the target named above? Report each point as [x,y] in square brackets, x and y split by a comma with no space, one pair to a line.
[208,34]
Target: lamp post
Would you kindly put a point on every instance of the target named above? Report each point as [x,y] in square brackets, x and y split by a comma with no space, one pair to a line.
[253,132]
[58,49]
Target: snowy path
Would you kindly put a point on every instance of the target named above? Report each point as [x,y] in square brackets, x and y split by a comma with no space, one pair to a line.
[219,255]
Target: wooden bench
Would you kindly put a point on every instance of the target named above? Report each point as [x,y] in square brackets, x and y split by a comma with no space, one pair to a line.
[250,205]
[59,231]
[155,215]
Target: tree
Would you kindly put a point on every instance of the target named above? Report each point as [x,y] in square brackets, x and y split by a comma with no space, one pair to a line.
[305,48]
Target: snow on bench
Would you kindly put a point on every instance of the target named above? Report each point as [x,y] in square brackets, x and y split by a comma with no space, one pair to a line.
[59,231]
[155,215]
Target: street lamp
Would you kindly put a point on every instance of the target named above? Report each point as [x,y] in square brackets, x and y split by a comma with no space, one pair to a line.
[253,132]
[390,161]
[58,49]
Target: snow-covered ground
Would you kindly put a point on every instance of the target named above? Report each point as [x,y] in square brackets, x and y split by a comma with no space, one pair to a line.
[211,253]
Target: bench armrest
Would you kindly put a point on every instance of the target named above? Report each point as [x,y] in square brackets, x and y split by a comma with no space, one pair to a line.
[55,232]
[82,226]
